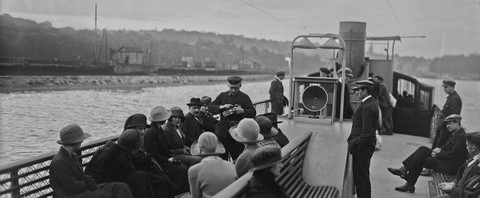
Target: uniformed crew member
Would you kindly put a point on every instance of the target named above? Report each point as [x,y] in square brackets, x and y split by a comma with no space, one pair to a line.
[276,93]
[232,105]
[361,142]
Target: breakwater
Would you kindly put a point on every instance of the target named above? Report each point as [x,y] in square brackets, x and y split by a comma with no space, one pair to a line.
[39,83]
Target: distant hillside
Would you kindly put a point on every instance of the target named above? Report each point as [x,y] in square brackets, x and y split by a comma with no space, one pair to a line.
[27,39]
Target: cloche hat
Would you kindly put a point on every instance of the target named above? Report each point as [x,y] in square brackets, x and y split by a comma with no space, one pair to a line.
[129,139]
[135,120]
[265,125]
[159,114]
[247,131]
[266,156]
[209,142]
[72,134]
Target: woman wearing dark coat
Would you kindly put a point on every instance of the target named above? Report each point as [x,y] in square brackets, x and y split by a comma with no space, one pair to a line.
[267,165]
[157,145]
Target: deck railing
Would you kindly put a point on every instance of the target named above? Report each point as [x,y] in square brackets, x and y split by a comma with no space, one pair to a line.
[30,177]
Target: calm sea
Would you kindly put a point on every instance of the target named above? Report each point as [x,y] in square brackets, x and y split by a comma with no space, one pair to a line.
[30,121]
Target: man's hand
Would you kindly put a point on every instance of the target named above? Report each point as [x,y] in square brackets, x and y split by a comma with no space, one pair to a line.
[238,109]
[226,106]
[436,151]
[446,186]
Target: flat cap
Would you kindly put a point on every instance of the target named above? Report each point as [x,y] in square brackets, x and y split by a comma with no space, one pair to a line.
[234,80]
[280,73]
[362,83]
[450,83]
[453,118]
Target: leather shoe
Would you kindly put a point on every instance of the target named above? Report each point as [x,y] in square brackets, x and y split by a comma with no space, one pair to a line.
[406,188]
[400,172]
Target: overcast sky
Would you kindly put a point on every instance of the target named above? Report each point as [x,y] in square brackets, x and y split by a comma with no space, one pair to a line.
[450,26]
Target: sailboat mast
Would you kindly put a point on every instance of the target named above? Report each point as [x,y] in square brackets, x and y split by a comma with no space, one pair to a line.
[95,48]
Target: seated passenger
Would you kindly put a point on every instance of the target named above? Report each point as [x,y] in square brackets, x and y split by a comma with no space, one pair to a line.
[247,132]
[209,119]
[177,141]
[267,165]
[280,138]
[141,160]
[193,124]
[267,131]
[468,172]
[67,178]
[156,143]
[213,174]
[444,159]
[113,163]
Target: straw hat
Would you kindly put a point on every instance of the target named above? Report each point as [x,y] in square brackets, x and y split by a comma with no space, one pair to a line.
[266,156]
[265,125]
[209,143]
[159,114]
[247,131]
[72,134]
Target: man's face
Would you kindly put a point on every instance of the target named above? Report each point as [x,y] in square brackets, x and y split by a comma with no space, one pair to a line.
[361,93]
[453,126]
[234,89]
[194,110]
[281,77]
[448,89]
[176,120]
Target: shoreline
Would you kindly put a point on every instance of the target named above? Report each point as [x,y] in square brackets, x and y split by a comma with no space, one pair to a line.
[10,84]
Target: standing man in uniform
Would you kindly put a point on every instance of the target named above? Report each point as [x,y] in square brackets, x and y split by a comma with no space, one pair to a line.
[276,93]
[385,106]
[453,105]
[232,105]
[361,142]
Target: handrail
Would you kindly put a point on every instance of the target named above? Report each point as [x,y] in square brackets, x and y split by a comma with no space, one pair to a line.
[238,187]
[262,106]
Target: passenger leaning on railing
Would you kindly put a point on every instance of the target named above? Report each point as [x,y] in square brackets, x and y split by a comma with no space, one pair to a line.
[113,163]
[67,178]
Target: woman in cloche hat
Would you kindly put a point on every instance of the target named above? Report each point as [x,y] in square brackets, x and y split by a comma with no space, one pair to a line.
[267,165]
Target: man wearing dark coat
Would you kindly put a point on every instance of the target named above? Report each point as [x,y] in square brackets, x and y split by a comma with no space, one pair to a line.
[67,178]
[383,99]
[276,93]
[113,163]
[232,105]
[157,145]
[453,105]
[193,124]
[445,159]
[362,140]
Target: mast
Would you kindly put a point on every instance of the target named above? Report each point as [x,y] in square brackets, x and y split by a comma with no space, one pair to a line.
[95,48]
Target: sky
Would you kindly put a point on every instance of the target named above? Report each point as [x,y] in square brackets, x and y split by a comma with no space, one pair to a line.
[450,26]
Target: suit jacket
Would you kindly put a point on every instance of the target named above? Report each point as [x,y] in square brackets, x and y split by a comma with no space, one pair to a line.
[453,105]
[453,154]
[465,175]
[157,144]
[67,178]
[365,123]
[241,99]
[176,143]
[192,127]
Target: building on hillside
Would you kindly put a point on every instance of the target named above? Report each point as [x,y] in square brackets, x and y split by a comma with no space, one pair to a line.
[129,56]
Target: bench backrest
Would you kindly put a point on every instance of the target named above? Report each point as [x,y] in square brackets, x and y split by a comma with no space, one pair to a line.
[293,155]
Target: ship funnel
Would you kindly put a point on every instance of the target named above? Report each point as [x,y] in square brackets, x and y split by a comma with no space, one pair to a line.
[354,35]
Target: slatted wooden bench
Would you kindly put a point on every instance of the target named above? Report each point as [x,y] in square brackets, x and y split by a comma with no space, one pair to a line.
[433,191]
[291,175]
